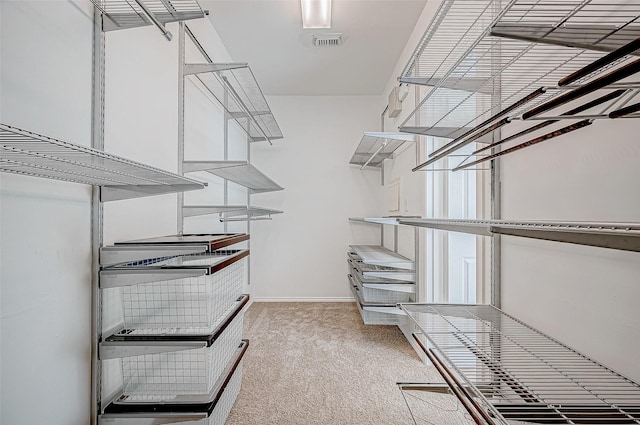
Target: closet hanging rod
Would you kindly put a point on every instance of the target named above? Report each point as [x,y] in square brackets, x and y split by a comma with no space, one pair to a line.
[458,389]
[600,82]
[627,110]
[569,114]
[451,146]
[155,20]
[491,119]
[534,141]
[608,59]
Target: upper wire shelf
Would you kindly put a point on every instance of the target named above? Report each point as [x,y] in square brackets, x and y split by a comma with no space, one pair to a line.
[374,148]
[123,14]
[469,73]
[622,236]
[512,372]
[31,154]
[236,88]
[240,172]
[230,212]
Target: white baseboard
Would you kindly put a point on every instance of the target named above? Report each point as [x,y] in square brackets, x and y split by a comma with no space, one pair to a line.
[303,300]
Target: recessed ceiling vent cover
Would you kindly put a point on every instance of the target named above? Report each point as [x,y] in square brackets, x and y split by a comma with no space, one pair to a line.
[334,39]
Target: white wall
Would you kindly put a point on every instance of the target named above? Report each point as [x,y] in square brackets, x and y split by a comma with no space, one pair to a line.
[45,251]
[584,296]
[301,254]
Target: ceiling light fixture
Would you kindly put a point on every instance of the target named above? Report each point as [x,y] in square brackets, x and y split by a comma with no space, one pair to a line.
[316,13]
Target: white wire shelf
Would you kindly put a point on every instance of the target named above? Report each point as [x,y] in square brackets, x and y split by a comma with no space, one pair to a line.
[229,212]
[31,154]
[505,371]
[236,89]
[240,172]
[471,75]
[600,25]
[123,14]
[374,148]
[380,256]
[622,236]
[393,221]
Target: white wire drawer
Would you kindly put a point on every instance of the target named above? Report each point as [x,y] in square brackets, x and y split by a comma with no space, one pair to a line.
[174,369]
[390,295]
[167,246]
[186,294]
[379,274]
[212,412]
[377,255]
[377,313]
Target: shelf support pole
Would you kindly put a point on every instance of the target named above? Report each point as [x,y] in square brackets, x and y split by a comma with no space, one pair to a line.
[97,142]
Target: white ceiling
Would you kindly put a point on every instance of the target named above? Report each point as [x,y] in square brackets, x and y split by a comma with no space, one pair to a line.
[268,34]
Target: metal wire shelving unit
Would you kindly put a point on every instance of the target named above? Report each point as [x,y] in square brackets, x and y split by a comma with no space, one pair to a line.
[477,67]
[31,154]
[504,371]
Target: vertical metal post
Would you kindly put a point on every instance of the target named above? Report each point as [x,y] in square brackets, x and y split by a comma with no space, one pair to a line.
[395,239]
[97,142]
[495,187]
[181,62]
[226,150]
[248,220]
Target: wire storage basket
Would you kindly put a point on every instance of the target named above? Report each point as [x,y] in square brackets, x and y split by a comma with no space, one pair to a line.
[184,305]
[385,295]
[222,409]
[164,376]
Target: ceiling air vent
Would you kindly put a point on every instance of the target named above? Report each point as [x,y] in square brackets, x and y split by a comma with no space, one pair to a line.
[327,39]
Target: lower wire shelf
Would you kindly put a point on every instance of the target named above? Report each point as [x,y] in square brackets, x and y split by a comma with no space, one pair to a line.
[376,313]
[213,412]
[504,372]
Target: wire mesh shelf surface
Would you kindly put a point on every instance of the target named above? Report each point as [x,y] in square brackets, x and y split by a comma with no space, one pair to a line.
[374,148]
[239,172]
[123,14]
[520,373]
[194,305]
[469,74]
[236,89]
[379,255]
[26,153]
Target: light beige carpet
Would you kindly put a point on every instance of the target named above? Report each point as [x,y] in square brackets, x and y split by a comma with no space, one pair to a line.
[317,363]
